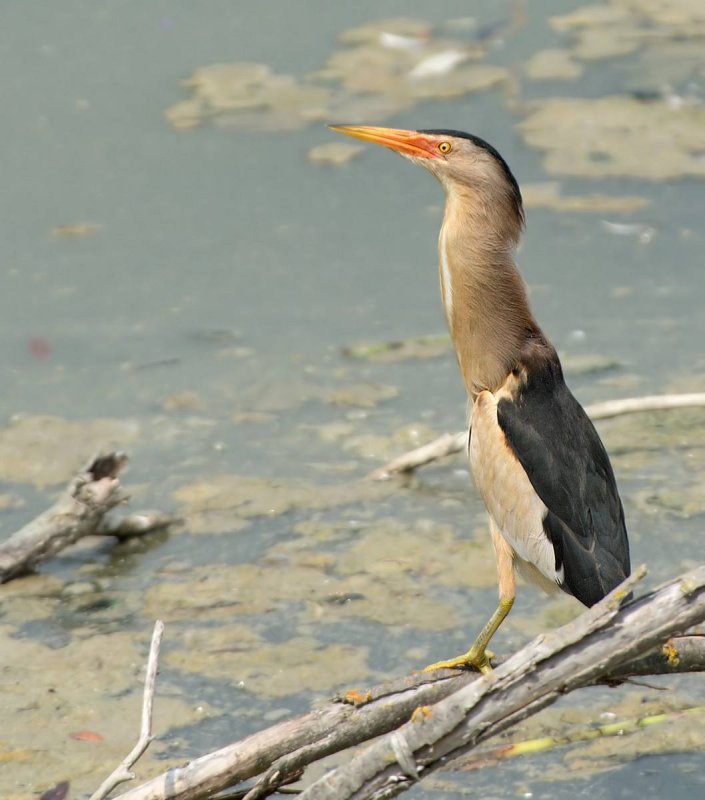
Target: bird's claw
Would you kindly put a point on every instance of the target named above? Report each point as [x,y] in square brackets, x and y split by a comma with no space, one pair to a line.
[473,659]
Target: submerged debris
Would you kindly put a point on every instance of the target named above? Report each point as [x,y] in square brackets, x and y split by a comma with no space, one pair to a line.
[251,93]
[401,349]
[587,364]
[76,230]
[364,395]
[439,64]
[617,136]
[108,689]
[334,153]
[224,503]
[553,65]
[642,231]
[548,195]
[624,26]
[45,451]
[417,30]
[382,68]
[270,670]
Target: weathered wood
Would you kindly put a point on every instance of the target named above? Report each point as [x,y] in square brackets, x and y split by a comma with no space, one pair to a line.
[297,742]
[443,446]
[77,513]
[600,641]
[607,644]
[80,511]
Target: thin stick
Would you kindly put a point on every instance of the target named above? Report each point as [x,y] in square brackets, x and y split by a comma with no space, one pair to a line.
[443,446]
[494,755]
[123,772]
[451,443]
[654,402]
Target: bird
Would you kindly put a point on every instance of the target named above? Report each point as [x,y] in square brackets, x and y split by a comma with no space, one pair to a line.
[555,514]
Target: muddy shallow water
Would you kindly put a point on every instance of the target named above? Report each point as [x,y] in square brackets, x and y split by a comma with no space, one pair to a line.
[195,270]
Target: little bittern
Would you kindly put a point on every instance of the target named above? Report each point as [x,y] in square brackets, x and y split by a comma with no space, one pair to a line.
[538,463]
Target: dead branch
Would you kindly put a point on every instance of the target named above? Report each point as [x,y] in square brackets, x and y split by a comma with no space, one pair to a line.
[601,640]
[655,402]
[123,771]
[607,644]
[489,756]
[80,511]
[450,443]
[443,446]
[137,524]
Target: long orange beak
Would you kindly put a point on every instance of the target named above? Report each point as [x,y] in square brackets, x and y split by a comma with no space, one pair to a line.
[411,143]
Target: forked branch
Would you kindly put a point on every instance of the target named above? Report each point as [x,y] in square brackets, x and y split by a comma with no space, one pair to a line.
[80,511]
[431,718]
[123,772]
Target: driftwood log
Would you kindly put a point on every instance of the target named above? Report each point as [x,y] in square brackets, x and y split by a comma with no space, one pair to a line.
[450,443]
[426,720]
[80,511]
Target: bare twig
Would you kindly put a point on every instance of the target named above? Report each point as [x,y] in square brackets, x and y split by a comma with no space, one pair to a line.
[606,644]
[450,443]
[574,735]
[441,447]
[123,772]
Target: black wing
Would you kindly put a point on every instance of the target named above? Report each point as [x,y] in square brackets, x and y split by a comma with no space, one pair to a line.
[561,452]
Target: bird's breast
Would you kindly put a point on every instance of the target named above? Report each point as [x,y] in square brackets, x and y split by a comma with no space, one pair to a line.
[505,488]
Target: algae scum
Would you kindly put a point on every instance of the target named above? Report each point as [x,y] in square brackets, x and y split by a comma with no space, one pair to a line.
[251,309]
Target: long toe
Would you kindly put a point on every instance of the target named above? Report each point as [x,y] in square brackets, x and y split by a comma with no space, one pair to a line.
[473,659]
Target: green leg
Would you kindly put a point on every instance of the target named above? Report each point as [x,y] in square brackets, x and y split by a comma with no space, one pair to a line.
[478,656]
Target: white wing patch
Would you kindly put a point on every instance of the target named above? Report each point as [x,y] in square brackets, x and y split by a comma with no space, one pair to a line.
[507,492]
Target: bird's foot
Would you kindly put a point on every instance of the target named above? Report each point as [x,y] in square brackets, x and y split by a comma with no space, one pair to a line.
[475,658]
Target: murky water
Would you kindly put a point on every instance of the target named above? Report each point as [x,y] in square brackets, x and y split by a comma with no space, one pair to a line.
[196,289]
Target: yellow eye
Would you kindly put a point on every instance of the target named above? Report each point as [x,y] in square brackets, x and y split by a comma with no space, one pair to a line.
[445,148]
